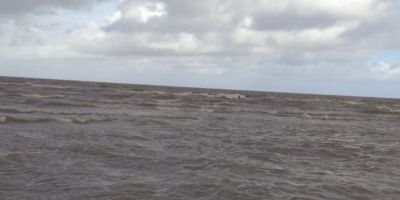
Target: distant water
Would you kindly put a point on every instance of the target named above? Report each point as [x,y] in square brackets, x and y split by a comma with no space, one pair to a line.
[77,140]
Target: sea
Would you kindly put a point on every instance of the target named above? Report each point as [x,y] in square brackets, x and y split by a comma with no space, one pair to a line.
[103,141]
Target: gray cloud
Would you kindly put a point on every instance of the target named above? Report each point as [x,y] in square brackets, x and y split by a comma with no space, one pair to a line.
[17,7]
[290,21]
[289,31]
[302,27]
[250,43]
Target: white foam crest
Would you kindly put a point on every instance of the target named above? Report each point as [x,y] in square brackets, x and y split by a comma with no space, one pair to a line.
[183,93]
[42,96]
[224,95]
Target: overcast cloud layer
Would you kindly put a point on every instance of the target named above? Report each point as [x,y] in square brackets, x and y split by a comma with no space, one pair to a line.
[315,46]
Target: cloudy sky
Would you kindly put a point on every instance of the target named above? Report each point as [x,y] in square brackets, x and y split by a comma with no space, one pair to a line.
[341,47]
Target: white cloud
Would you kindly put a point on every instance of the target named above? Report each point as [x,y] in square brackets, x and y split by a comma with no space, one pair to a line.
[350,9]
[145,11]
[384,71]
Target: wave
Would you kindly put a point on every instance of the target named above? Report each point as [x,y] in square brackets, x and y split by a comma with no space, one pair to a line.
[57,101]
[382,110]
[17,157]
[43,96]
[74,119]
[17,84]
[223,95]
[87,120]
[68,104]
[49,86]
[13,119]
[354,102]
[183,93]
[17,110]
[45,111]
[37,85]
[136,91]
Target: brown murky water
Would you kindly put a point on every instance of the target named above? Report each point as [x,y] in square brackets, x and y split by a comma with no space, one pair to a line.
[76,140]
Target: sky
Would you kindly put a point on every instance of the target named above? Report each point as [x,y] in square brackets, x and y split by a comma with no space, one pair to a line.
[334,47]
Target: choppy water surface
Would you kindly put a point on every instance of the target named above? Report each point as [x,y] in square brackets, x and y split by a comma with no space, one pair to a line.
[74,140]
